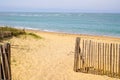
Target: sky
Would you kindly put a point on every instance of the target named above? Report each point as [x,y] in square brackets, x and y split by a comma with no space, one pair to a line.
[110,6]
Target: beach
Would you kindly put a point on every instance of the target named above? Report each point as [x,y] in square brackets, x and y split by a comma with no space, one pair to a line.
[49,58]
[60,40]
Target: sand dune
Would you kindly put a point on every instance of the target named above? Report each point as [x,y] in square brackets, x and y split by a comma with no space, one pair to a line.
[50,58]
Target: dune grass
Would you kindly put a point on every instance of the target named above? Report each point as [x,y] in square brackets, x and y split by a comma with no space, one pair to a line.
[14,31]
[17,32]
[34,35]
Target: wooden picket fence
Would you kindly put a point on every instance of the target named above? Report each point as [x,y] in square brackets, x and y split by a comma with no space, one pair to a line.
[5,68]
[97,57]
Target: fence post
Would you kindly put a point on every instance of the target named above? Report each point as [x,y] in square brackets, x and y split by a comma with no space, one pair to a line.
[8,59]
[105,58]
[76,55]
[113,60]
[98,57]
[85,53]
[111,45]
[2,63]
[116,59]
[119,63]
[103,72]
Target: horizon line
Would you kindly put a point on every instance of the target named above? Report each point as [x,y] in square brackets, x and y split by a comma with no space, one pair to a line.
[55,12]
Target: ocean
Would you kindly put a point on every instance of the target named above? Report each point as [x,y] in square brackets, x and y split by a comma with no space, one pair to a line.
[103,24]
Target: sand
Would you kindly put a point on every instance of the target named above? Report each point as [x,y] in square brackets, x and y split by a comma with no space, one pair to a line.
[49,58]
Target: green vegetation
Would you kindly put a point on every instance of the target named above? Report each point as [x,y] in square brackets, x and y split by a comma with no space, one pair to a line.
[14,31]
[34,35]
[17,32]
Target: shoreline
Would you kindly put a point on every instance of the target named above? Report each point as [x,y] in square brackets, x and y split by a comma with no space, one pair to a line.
[60,32]
[111,38]
[88,36]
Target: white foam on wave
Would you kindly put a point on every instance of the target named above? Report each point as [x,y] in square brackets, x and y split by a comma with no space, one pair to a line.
[46,30]
[34,15]
[21,14]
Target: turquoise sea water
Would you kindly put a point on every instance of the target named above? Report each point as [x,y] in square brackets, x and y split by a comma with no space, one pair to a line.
[105,24]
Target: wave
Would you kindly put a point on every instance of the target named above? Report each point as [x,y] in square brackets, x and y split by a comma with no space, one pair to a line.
[25,15]
[37,14]
[20,14]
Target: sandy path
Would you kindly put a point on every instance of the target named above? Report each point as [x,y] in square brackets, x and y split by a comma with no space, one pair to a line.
[50,58]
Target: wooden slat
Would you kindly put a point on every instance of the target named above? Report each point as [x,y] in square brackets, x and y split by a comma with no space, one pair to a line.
[6,65]
[98,57]
[113,59]
[0,65]
[2,62]
[105,58]
[76,56]
[87,50]
[5,62]
[96,53]
[108,58]
[83,62]
[89,53]
[92,62]
[93,55]
[119,62]
[116,58]
[85,55]
[0,69]
[111,45]
[7,59]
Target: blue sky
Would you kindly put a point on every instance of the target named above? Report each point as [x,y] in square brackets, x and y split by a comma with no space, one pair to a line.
[60,6]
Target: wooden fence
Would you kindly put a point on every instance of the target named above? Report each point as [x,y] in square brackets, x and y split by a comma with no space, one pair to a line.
[5,68]
[97,57]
